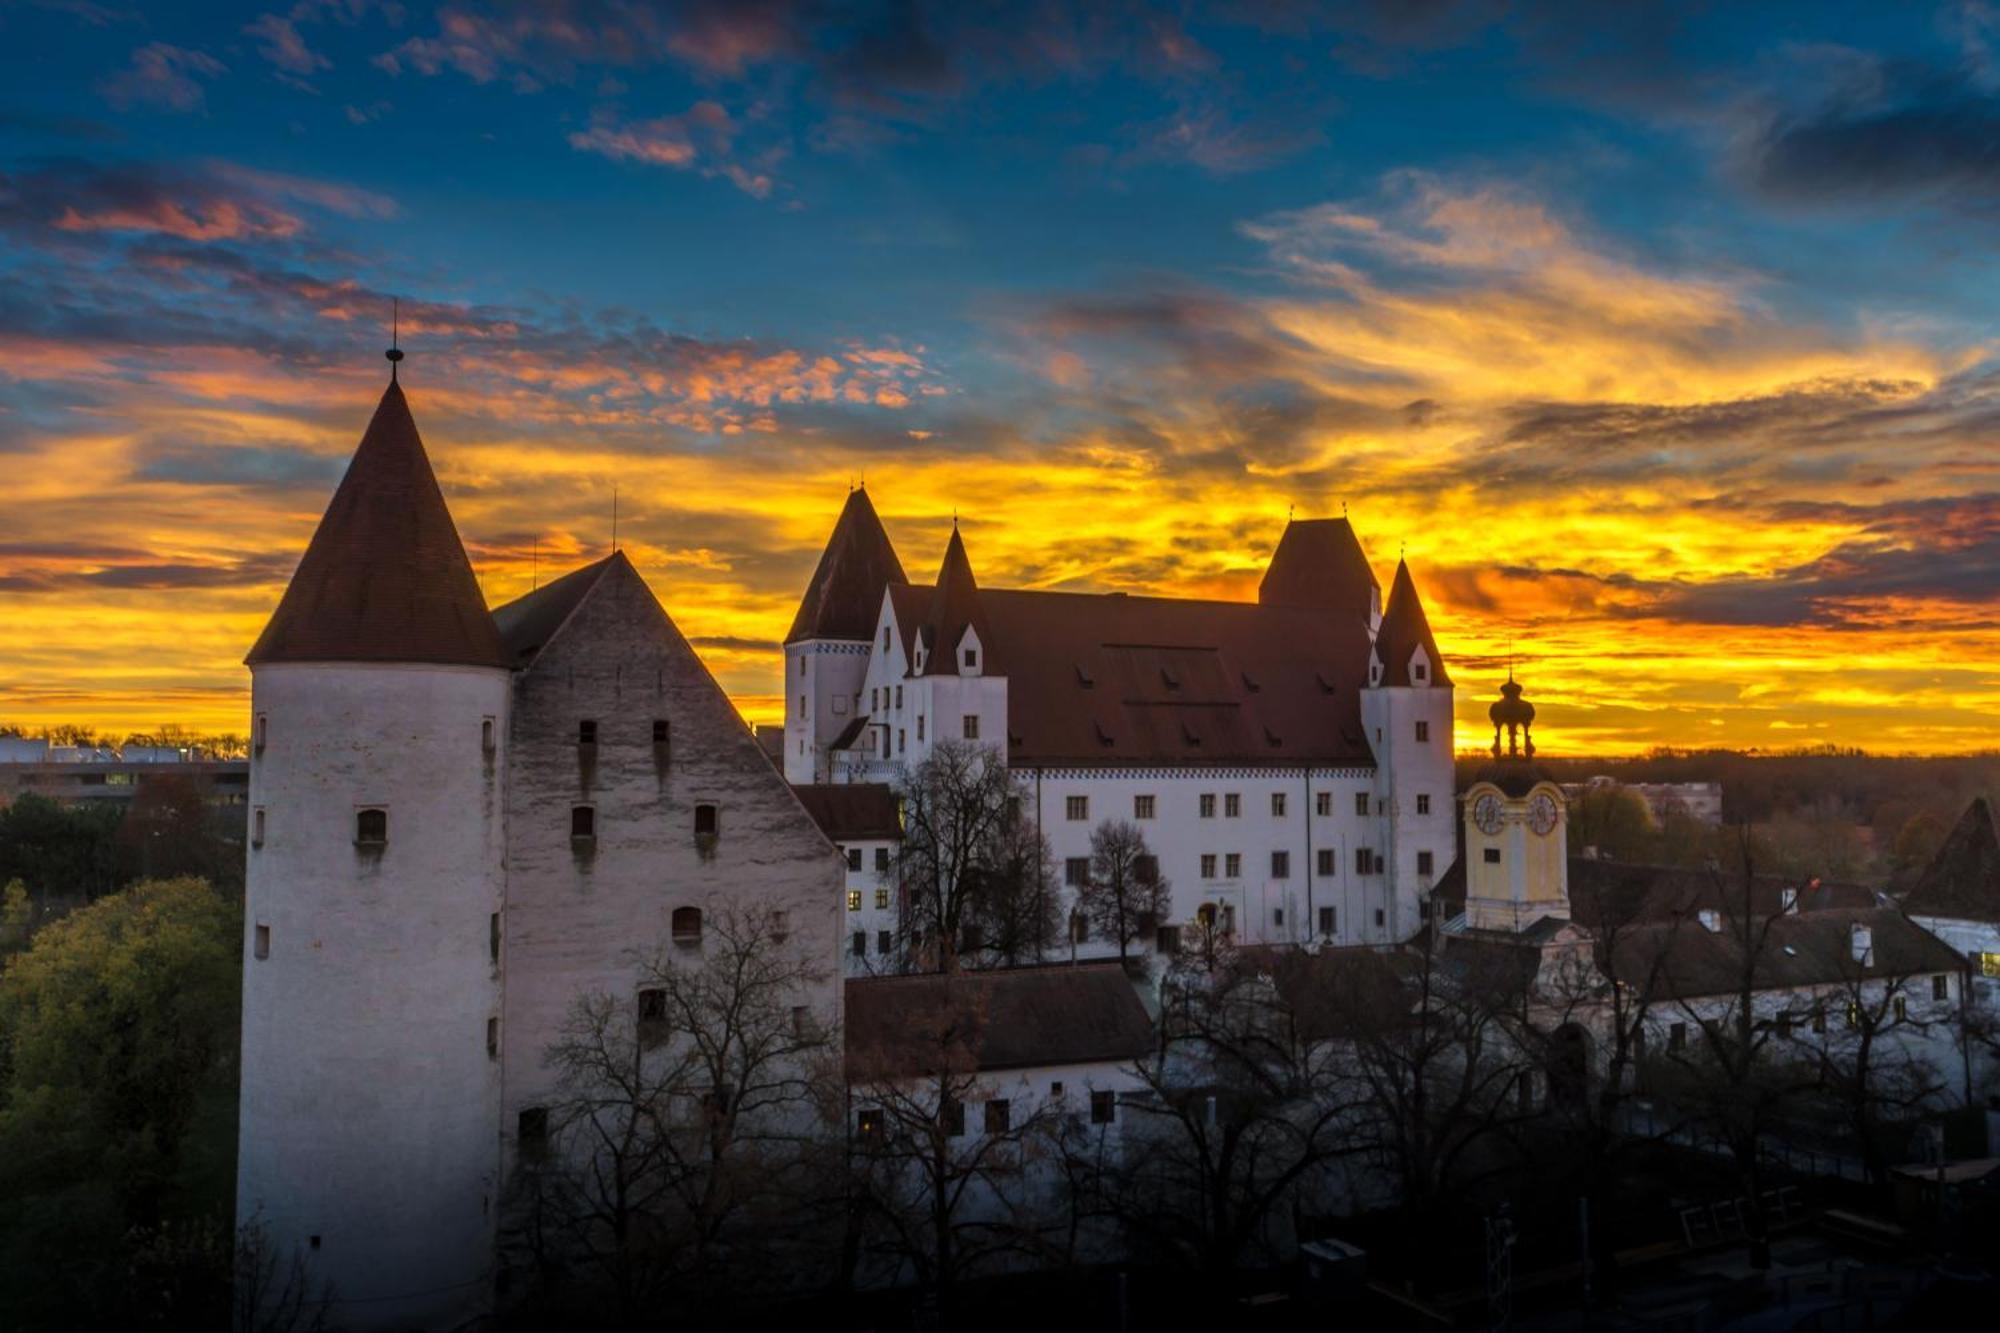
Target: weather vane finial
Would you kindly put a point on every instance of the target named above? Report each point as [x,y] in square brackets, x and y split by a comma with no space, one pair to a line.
[395,352]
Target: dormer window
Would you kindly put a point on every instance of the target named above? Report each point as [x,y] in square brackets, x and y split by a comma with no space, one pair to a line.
[1420,673]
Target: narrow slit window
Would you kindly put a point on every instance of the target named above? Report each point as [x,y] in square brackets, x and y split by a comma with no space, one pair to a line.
[263,731]
[493,1039]
[263,949]
[486,734]
[493,937]
[257,827]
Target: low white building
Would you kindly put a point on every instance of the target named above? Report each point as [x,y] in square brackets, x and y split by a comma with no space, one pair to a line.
[862,821]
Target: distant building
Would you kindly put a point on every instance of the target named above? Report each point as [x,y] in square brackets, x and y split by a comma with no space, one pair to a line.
[864,822]
[1700,801]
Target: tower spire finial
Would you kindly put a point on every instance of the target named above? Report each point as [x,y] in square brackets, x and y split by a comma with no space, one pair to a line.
[395,352]
[614,518]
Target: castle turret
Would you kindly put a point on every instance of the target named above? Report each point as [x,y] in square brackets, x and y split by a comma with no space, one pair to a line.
[1407,713]
[370,1100]
[826,652]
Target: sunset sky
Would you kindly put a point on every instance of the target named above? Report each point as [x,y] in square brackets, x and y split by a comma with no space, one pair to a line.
[1661,340]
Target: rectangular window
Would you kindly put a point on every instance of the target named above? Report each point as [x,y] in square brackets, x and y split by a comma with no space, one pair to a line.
[1281,865]
[971,657]
[1361,804]
[854,858]
[874,704]
[1232,805]
[257,827]
[586,731]
[1146,869]
[1103,1107]
[857,944]
[1423,802]
[1326,864]
[1327,920]
[1277,916]
[1784,1025]
[1902,1007]
[801,1020]
[1079,928]
[1142,807]
[1076,807]
[781,924]
[1277,805]
[869,1125]
[1940,987]
[884,941]
[263,949]
[998,1114]
[706,820]
[899,696]
[1379,917]
[1208,865]
[1491,856]
[493,1039]
[582,821]
[920,728]
[1207,805]
[1819,1020]
[1677,1037]
[1232,866]
[661,732]
[854,900]
[1076,871]
[531,1133]
[1423,732]
[371,827]
[971,726]
[1360,860]
[1424,863]
[1323,803]
[952,1113]
[881,898]
[901,741]
[1167,939]
[881,860]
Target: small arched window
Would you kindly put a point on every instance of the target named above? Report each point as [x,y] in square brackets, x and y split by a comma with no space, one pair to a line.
[687,925]
[371,826]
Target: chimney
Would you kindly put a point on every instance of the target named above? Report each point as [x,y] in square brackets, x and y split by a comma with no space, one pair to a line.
[1711,919]
[1788,901]
[1863,941]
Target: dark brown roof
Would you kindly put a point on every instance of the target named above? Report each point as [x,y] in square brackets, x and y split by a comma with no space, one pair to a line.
[954,606]
[1513,774]
[846,811]
[1682,959]
[1319,563]
[1005,1018]
[528,622]
[1606,894]
[845,594]
[385,578]
[1405,628]
[1963,879]
[1108,678]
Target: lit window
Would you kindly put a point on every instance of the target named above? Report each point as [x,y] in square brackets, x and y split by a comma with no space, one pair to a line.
[371,826]
[871,1125]
[1142,807]
[854,900]
[687,925]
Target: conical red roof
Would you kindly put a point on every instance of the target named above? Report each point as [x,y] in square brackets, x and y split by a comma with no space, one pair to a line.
[1319,563]
[1404,629]
[845,594]
[385,578]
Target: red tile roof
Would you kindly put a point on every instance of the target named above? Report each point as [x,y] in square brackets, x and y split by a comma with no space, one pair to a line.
[1962,881]
[1319,563]
[385,578]
[1404,629]
[845,594]
[529,621]
[1003,1018]
[852,811]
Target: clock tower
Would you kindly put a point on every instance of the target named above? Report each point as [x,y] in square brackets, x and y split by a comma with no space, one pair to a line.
[1516,829]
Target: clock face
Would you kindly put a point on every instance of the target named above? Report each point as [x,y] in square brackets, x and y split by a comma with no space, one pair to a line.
[1486,814]
[1542,813]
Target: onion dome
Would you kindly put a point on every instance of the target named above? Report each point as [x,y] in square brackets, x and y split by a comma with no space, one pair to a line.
[1515,716]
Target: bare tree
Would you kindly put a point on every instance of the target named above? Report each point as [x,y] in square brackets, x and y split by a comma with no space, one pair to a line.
[975,875]
[689,1121]
[1124,895]
[273,1292]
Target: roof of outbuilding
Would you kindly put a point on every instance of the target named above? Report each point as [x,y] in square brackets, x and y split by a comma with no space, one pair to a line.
[529,621]
[1319,564]
[1002,1018]
[1404,629]
[385,578]
[1610,894]
[845,593]
[1681,959]
[1963,880]
[850,811]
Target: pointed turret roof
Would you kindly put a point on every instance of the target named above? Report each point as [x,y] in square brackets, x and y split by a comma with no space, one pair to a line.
[1405,628]
[845,594]
[386,578]
[1319,563]
[954,606]
[1963,879]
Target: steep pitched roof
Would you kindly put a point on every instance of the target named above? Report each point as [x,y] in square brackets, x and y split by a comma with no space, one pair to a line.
[1115,679]
[1612,894]
[1405,628]
[846,588]
[851,811]
[385,578]
[1319,563]
[1963,880]
[528,622]
[1682,959]
[955,606]
[1002,1018]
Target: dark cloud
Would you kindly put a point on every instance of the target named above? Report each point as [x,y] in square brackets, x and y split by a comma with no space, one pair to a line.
[147,575]
[216,465]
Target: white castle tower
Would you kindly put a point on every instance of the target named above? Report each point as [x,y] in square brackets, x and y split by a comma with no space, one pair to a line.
[826,652]
[1406,709]
[370,1112]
